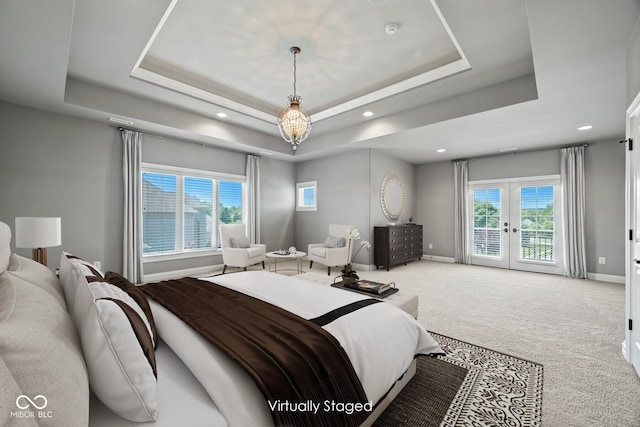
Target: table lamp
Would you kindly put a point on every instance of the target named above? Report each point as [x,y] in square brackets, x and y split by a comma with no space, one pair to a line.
[38,233]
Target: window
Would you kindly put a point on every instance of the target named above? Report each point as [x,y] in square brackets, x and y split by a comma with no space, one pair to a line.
[182,209]
[306,196]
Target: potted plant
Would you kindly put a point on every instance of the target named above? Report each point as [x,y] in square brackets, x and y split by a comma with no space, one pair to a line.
[349,275]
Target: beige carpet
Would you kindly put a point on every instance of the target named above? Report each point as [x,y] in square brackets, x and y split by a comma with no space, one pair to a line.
[574,328]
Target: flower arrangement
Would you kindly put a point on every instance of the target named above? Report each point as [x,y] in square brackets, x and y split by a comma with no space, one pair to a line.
[347,271]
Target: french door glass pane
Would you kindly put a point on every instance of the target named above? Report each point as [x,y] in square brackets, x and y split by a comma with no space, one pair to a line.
[197,221]
[537,236]
[158,213]
[486,222]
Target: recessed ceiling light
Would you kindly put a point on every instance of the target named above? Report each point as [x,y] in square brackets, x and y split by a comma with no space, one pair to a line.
[119,120]
[587,127]
[441,150]
[368,113]
[506,150]
[221,115]
[392,28]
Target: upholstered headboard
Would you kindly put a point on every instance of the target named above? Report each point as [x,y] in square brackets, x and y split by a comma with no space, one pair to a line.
[36,337]
[5,248]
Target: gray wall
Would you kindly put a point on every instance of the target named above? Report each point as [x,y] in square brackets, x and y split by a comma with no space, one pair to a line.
[58,165]
[277,196]
[633,65]
[536,163]
[605,205]
[343,197]
[381,164]
[605,192]
[434,209]
[349,193]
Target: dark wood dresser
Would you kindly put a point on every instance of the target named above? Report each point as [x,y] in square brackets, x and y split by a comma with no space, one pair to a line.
[396,244]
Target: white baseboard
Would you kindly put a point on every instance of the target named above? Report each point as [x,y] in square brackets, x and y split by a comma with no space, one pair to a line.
[625,352]
[176,274]
[439,258]
[605,277]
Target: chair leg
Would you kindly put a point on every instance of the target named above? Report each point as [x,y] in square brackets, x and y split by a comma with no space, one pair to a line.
[245,269]
[263,265]
[310,264]
[328,271]
[224,268]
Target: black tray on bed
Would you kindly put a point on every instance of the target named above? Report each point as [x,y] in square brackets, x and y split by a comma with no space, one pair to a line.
[384,294]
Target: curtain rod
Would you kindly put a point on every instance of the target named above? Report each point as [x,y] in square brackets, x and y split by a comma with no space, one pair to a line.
[202,144]
[533,150]
[120,128]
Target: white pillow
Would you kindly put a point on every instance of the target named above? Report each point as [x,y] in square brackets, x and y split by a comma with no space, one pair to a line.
[239,242]
[116,341]
[335,242]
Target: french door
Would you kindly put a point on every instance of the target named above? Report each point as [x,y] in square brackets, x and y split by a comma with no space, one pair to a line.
[632,280]
[516,224]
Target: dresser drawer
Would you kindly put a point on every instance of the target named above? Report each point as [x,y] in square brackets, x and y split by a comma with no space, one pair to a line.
[398,257]
[398,239]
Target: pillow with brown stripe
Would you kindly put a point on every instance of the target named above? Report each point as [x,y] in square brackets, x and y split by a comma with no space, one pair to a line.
[134,292]
[89,270]
[117,342]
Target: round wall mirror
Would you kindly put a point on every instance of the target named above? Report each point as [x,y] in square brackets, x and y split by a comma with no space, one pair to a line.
[392,197]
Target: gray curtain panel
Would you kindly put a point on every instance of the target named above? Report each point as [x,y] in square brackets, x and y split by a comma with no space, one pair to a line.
[572,174]
[253,198]
[132,252]
[462,246]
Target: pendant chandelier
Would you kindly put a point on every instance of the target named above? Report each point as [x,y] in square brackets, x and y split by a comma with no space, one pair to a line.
[294,121]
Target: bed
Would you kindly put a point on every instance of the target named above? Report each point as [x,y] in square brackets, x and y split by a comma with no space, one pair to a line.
[148,367]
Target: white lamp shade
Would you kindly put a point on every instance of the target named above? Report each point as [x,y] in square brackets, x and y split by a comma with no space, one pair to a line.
[38,232]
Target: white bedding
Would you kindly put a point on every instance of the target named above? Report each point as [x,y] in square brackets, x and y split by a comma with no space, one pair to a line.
[181,399]
[380,340]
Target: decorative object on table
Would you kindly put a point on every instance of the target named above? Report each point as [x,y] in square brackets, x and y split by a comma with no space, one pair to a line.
[294,121]
[367,287]
[411,218]
[38,233]
[349,275]
[284,254]
[292,249]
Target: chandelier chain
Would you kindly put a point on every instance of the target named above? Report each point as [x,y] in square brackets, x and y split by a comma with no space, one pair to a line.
[294,74]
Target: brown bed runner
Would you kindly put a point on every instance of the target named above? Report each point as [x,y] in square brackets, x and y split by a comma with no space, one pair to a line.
[290,359]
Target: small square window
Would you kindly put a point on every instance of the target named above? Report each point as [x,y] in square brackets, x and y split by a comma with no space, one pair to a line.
[306,196]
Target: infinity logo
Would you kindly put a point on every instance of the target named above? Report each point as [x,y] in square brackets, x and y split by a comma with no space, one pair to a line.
[30,402]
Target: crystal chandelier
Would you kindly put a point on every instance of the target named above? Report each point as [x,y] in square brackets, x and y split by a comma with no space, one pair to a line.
[294,121]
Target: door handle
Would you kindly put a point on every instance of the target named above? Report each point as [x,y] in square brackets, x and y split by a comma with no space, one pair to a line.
[515,229]
[506,230]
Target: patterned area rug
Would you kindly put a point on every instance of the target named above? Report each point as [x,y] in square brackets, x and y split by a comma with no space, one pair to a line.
[470,386]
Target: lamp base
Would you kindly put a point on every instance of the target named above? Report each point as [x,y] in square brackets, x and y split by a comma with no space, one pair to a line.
[40,255]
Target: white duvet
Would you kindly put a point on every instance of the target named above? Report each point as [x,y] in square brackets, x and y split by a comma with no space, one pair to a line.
[380,340]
